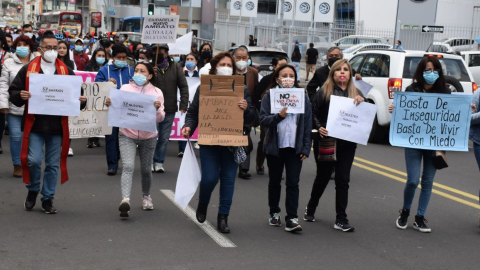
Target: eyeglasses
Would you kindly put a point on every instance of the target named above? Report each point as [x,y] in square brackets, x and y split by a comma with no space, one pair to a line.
[428,71]
[49,48]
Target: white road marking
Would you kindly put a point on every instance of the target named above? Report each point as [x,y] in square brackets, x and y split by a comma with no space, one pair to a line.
[206,226]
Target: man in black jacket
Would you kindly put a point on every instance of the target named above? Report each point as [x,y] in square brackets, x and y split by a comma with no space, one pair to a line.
[47,131]
[260,90]
[170,77]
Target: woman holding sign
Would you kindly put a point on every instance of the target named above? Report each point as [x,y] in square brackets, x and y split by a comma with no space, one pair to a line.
[287,144]
[142,82]
[218,161]
[339,83]
[428,78]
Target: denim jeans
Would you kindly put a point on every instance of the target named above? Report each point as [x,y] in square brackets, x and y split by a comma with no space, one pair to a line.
[181,146]
[290,162]
[112,149]
[53,146]
[413,159]
[15,128]
[2,126]
[164,129]
[297,67]
[476,150]
[217,162]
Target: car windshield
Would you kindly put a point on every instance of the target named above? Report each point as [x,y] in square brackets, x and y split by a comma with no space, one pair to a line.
[136,38]
[353,48]
[450,67]
[265,58]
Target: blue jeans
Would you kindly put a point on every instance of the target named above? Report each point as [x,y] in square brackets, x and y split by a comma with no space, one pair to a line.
[181,146]
[164,129]
[413,158]
[217,163]
[297,67]
[112,149]
[53,146]
[476,150]
[15,127]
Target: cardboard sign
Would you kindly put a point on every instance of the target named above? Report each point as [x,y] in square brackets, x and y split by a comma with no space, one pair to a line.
[431,121]
[93,120]
[220,118]
[158,29]
[292,98]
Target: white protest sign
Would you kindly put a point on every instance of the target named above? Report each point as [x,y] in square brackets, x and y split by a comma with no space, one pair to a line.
[188,177]
[54,94]
[293,98]
[132,110]
[183,45]
[348,121]
[363,86]
[93,120]
[179,121]
[159,29]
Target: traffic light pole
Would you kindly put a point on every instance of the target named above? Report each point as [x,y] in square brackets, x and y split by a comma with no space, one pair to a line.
[141,16]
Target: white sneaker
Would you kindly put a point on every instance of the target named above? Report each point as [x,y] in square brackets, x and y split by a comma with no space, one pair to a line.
[124,207]
[158,167]
[147,203]
[70,152]
[153,168]
[196,146]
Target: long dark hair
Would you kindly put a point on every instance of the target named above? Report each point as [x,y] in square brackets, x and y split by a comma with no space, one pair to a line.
[296,52]
[201,59]
[214,62]
[3,39]
[66,58]
[440,85]
[93,60]
[149,67]
[273,82]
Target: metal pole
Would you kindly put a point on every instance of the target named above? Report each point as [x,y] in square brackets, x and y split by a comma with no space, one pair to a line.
[142,4]
[84,23]
[282,9]
[473,18]
[190,16]
[330,26]
[226,31]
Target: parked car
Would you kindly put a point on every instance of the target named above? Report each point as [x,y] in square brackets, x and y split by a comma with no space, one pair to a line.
[349,41]
[472,59]
[392,70]
[440,47]
[262,58]
[132,36]
[459,44]
[352,51]
[320,43]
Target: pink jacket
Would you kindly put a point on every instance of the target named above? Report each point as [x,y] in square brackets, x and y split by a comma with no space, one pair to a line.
[148,89]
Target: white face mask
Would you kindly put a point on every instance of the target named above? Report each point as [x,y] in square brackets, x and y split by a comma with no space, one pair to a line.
[50,55]
[241,65]
[224,71]
[30,35]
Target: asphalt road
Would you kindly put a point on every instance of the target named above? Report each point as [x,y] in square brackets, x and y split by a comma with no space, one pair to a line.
[87,232]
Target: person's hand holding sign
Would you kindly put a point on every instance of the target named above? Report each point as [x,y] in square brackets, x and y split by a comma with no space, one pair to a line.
[323,132]
[157,104]
[83,99]
[390,108]
[113,80]
[283,112]
[108,102]
[243,104]
[186,132]
[358,100]
[25,95]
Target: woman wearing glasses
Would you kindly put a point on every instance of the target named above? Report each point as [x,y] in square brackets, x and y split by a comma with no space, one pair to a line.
[428,78]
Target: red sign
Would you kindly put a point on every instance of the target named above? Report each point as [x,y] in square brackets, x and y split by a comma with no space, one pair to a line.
[72,1]
[96,19]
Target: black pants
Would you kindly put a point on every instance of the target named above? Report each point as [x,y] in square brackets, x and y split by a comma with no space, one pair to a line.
[345,152]
[293,165]
[2,126]
[260,151]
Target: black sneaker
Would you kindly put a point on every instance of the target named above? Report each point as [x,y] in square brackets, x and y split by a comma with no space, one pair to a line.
[275,220]
[30,200]
[260,170]
[96,142]
[244,175]
[420,225]
[47,207]
[90,144]
[402,219]
[308,216]
[343,225]
[292,225]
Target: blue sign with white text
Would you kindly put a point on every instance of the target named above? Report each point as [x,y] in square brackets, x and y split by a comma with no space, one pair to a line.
[431,121]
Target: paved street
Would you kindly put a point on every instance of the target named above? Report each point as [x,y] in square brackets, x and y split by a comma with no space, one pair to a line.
[87,232]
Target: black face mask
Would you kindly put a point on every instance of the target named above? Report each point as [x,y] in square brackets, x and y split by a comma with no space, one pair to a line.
[206,54]
[332,61]
[160,58]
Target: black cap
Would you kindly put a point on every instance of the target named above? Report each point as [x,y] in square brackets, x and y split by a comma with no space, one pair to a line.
[164,46]
[194,45]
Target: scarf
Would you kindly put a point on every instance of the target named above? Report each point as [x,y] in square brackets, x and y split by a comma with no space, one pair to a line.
[163,64]
[34,67]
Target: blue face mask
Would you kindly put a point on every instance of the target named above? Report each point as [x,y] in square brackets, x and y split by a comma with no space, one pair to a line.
[22,51]
[431,77]
[78,48]
[176,59]
[120,64]
[139,79]
[100,60]
[190,64]
[249,63]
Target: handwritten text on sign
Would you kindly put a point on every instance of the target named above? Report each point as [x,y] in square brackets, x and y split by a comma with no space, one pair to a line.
[220,118]
[93,120]
[292,98]
[160,29]
[431,121]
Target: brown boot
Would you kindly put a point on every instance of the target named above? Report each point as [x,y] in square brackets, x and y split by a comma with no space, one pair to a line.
[17,171]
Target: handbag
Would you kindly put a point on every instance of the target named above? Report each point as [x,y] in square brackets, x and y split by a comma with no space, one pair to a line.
[326,149]
[439,160]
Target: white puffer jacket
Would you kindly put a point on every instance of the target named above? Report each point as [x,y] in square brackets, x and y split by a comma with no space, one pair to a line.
[11,66]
